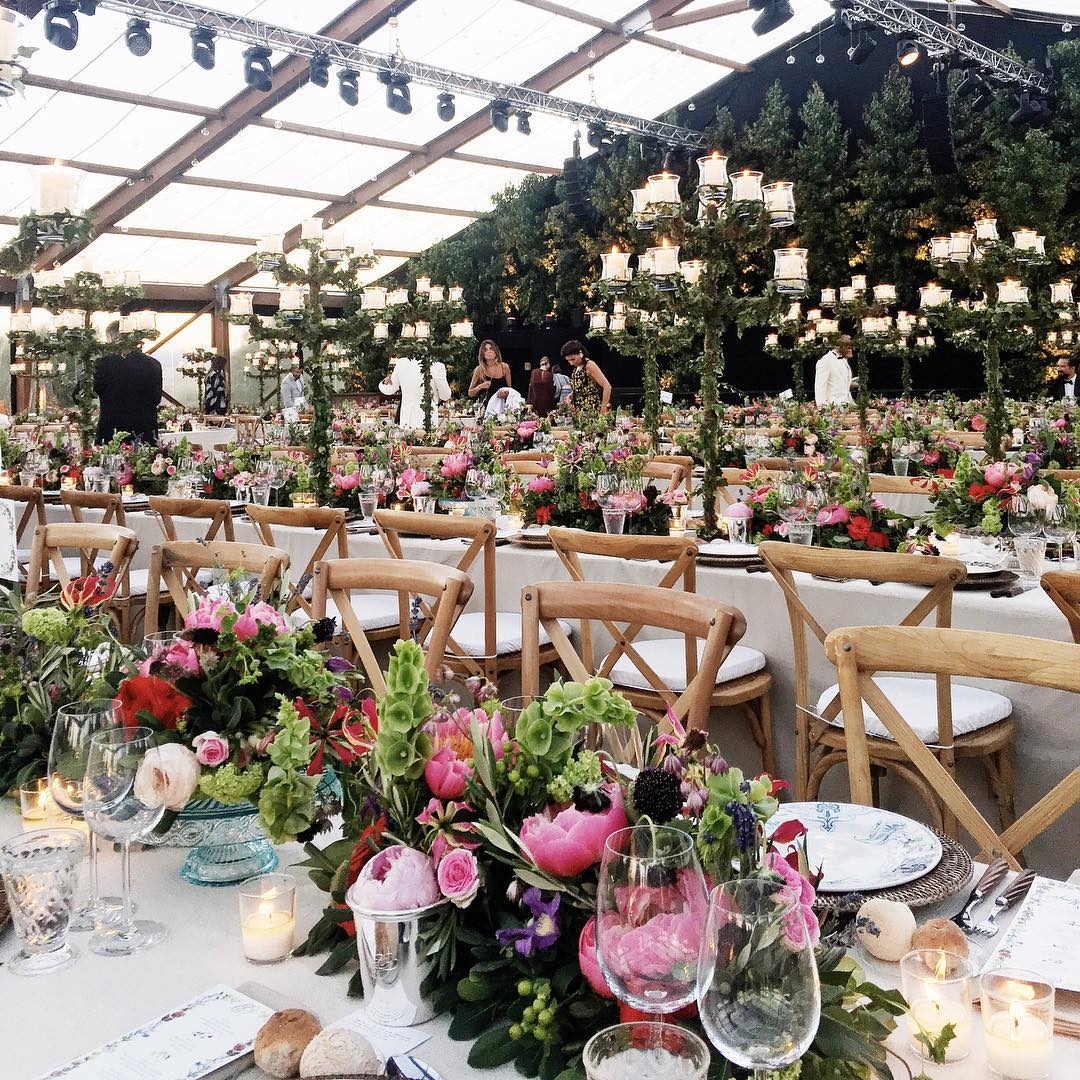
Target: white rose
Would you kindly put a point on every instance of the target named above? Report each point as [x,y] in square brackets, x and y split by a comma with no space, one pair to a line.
[167,776]
[1042,498]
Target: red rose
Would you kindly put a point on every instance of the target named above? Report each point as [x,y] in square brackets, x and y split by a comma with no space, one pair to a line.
[543,515]
[875,539]
[859,527]
[153,695]
[978,492]
[367,846]
[766,530]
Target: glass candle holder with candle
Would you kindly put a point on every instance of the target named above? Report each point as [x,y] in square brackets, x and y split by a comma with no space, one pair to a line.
[36,804]
[1018,1023]
[268,917]
[937,986]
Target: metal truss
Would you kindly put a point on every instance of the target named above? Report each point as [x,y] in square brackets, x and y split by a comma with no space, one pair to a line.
[357,58]
[940,39]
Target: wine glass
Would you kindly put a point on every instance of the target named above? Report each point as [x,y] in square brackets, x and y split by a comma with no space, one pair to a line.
[69,750]
[1057,528]
[758,993]
[1023,520]
[279,470]
[650,910]
[123,800]
[477,483]
[606,486]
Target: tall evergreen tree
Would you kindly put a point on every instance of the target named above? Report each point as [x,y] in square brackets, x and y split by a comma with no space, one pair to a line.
[768,143]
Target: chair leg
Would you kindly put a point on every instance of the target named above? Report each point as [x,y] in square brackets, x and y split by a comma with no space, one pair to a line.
[999,767]
[802,757]
[817,774]
[760,717]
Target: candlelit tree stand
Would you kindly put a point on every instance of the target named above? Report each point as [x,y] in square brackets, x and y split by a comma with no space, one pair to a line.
[196,366]
[267,363]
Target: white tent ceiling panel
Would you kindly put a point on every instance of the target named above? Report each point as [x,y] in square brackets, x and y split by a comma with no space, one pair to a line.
[168,261]
[16,186]
[550,143]
[458,185]
[403,230]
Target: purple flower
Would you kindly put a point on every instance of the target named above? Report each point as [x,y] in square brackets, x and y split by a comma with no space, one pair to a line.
[745,822]
[338,664]
[541,931]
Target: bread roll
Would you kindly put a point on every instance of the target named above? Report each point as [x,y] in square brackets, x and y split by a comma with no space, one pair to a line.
[282,1040]
[339,1052]
[940,936]
[894,924]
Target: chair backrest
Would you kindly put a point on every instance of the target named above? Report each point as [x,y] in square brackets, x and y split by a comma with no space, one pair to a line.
[903,485]
[480,534]
[976,440]
[111,505]
[676,469]
[249,430]
[33,504]
[937,576]
[698,618]
[175,565]
[859,652]
[90,541]
[1071,475]
[295,451]
[449,588]
[332,525]
[217,513]
[545,465]
[426,456]
[1063,588]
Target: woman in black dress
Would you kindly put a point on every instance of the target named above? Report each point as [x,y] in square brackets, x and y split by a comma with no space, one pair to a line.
[491,376]
[216,396]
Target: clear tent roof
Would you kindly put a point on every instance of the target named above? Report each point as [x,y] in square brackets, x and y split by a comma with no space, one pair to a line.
[313,149]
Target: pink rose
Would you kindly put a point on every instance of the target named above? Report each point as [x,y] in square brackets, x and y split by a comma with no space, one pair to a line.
[738,510]
[994,474]
[459,877]
[180,654]
[978,422]
[346,481]
[570,841]
[255,616]
[541,484]
[588,962]
[833,515]
[448,769]
[209,615]
[210,749]
[447,774]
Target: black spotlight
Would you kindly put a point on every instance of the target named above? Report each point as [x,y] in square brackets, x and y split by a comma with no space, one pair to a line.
[774,13]
[62,24]
[599,137]
[971,82]
[500,115]
[523,125]
[674,162]
[445,109]
[982,99]
[258,73]
[908,53]
[398,95]
[860,53]
[649,149]
[202,47]
[348,87]
[137,37]
[1030,110]
[318,71]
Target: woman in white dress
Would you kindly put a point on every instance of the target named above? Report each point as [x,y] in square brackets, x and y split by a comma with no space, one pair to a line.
[406,376]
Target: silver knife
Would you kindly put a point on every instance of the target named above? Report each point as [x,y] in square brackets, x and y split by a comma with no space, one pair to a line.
[987,883]
[1017,889]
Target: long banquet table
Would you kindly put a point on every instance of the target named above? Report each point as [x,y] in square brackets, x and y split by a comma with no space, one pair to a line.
[1046,747]
[53,1019]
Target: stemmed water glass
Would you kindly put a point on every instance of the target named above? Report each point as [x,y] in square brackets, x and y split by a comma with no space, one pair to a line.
[758,994]
[477,483]
[279,469]
[1023,519]
[650,910]
[1058,528]
[123,800]
[69,751]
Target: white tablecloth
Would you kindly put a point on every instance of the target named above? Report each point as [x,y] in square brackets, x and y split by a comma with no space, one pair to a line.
[48,1021]
[203,438]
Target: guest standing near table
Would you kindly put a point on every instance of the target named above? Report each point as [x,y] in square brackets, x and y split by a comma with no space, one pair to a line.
[216,394]
[832,376]
[542,388]
[590,392]
[1064,386]
[293,388]
[562,385]
[491,376]
[129,392]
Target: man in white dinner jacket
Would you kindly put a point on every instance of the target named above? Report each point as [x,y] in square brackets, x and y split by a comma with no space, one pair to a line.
[406,376]
[832,376]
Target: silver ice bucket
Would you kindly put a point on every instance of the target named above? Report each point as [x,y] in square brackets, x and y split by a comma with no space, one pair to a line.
[392,965]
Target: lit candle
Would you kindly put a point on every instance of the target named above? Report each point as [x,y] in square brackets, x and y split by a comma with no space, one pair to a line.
[334,240]
[937,986]
[616,265]
[423,330]
[128,490]
[132,279]
[663,189]
[436,294]
[57,189]
[408,331]
[692,270]
[397,296]
[268,917]
[940,248]
[1061,292]
[828,326]
[828,297]
[986,230]
[813,315]
[790,270]
[848,294]
[645,263]
[21,322]
[145,320]
[462,329]
[640,198]
[381,331]
[112,279]
[10,26]
[746,187]
[374,298]
[960,244]
[617,323]
[1025,240]
[884,294]
[1012,292]
[712,170]
[772,340]
[665,258]
[931,295]
[1018,1022]
[272,244]
[457,294]
[858,282]
[597,320]
[49,279]
[423,283]
[311,228]
[69,320]
[240,303]
[36,803]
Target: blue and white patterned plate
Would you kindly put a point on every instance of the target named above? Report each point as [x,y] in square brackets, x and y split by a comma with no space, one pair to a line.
[860,848]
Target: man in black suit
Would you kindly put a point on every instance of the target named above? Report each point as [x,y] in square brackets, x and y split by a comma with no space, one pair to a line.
[1064,386]
[129,393]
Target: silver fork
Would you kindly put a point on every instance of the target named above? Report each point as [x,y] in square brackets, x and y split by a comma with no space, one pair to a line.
[990,880]
[1015,892]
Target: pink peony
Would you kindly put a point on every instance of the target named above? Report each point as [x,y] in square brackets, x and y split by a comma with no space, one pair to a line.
[180,654]
[570,841]
[994,474]
[209,615]
[456,465]
[459,877]
[800,922]
[396,879]
[540,484]
[420,490]
[448,769]
[345,481]
[210,749]
[978,422]
[833,515]
[588,962]
[255,616]
[738,510]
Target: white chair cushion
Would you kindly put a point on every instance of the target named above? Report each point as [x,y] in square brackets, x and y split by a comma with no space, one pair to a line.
[667,657]
[375,610]
[916,701]
[468,632]
[72,563]
[137,581]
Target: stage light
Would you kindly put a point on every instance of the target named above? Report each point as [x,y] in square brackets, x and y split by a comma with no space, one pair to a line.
[319,71]
[203,47]
[348,87]
[1030,110]
[137,37]
[258,72]
[500,115]
[908,53]
[774,13]
[523,125]
[859,54]
[445,108]
[62,24]
[398,95]
[982,99]
[971,82]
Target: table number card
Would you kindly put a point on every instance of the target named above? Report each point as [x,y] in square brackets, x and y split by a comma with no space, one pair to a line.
[193,1041]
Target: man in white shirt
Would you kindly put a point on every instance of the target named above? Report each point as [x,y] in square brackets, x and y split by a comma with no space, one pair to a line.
[1064,386]
[293,388]
[832,376]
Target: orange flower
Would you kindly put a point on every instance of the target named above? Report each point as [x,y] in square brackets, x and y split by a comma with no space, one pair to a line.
[87,592]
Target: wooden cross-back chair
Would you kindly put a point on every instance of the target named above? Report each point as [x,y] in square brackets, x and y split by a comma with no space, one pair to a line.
[858,652]
[338,579]
[823,734]
[249,430]
[175,564]
[216,513]
[531,464]
[881,484]
[322,520]
[547,605]
[485,642]
[111,505]
[652,672]
[426,456]
[33,513]
[300,452]
[1063,587]
[1071,475]
[111,544]
[674,468]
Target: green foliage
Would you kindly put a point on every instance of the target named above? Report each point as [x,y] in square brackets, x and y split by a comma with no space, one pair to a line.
[285,802]
[402,748]
[768,143]
[18,254]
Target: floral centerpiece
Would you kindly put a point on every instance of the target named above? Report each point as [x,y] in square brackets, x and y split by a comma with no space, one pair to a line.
[147,468]
[500,821]
[978,496]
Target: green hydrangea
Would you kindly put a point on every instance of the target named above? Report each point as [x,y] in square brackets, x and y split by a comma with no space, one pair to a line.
[583,772]
[48,625]
[228,784]
[402,748]
[991,519]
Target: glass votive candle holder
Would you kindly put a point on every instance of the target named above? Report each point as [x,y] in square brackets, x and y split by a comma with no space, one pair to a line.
[937,987]
[36,804]
[644,1049]
[268,917]
[127,490]
[1018,1024]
